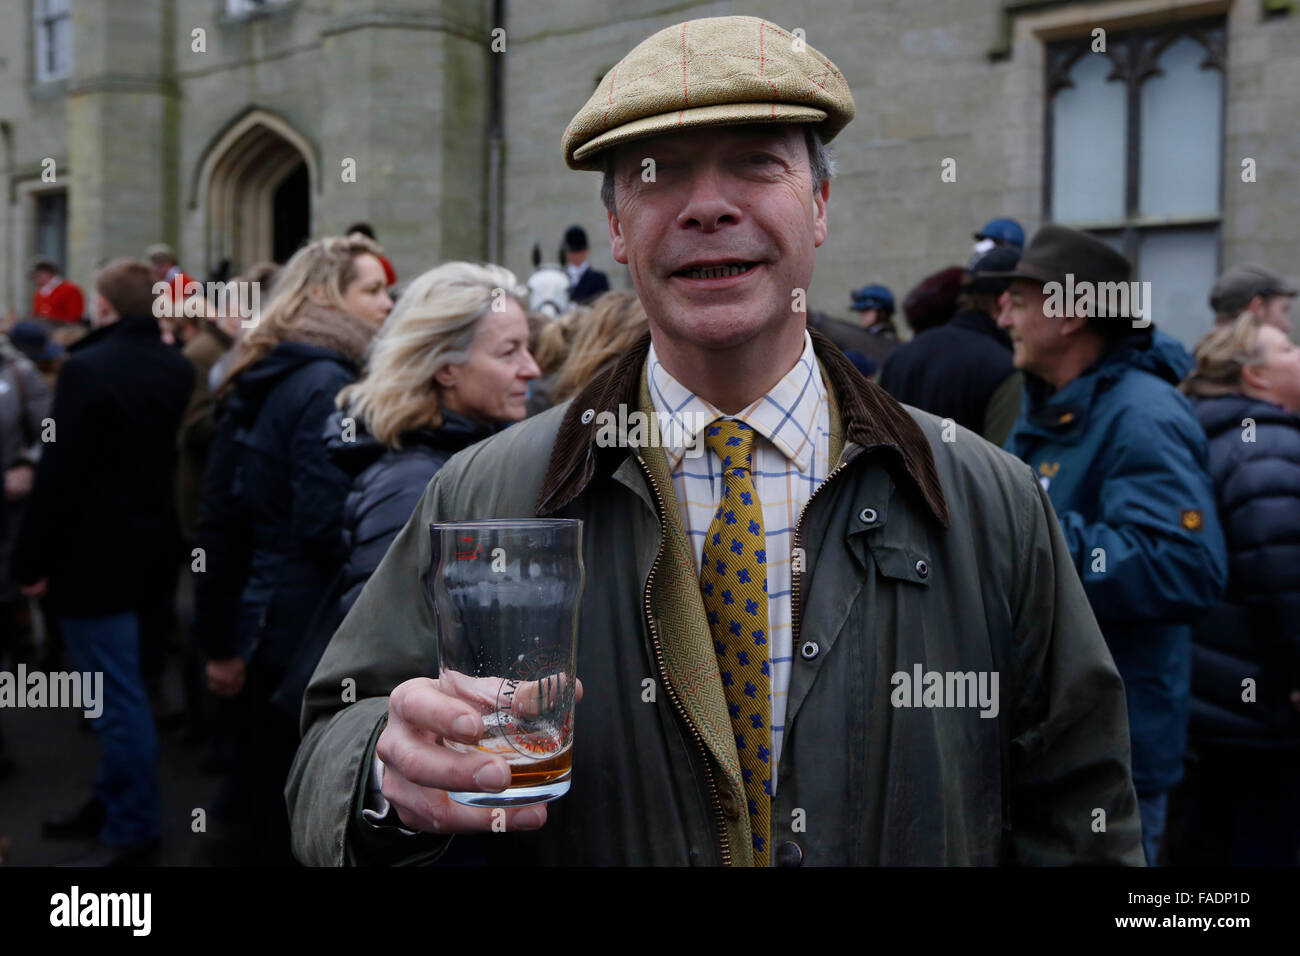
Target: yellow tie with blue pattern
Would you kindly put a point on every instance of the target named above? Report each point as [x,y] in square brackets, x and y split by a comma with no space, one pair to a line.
[733,584]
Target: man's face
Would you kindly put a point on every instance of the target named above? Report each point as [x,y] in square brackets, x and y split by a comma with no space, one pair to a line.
[160,268]
[104,312]
[1034,335]
[41,276]
[727,230]
[1275,312]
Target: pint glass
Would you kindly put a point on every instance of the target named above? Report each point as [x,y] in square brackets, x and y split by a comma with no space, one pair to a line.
[506,596]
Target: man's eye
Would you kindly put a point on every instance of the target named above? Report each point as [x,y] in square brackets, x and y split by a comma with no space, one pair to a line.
[761,159]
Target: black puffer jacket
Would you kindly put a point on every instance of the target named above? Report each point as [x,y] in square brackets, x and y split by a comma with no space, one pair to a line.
[386,485]
[1255,633]
[272,508]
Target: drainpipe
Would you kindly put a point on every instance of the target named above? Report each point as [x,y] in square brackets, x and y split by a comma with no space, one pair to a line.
[496,144]
[11,282]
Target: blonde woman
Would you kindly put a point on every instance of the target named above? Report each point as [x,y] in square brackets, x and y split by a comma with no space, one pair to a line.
[551,341]
[608,330]
[1243,783]
[450,367]
[272,512]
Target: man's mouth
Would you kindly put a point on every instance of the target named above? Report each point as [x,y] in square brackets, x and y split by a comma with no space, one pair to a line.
[722,270]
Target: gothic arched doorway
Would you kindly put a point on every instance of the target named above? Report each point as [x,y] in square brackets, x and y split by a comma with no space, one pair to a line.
[257,182]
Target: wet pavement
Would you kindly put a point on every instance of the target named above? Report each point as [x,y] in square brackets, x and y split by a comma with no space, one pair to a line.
[55,756]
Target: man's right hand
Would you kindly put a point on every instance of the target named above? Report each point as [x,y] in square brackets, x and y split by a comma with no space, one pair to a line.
[226,676]
[419,768]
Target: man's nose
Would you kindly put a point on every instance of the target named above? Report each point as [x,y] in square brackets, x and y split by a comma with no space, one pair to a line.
[1004,310]
[707,204]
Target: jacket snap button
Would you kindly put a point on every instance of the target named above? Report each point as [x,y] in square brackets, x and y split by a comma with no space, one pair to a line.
[867,515]
[922,569]
[588,415]
[729,806]
[809,650]
[789,853]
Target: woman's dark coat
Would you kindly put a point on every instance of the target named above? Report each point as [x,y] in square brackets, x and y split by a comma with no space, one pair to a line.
[1255,633]
[386,486]
[273,507]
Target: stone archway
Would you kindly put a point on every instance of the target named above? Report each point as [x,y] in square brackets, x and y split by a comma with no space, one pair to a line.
[256,185]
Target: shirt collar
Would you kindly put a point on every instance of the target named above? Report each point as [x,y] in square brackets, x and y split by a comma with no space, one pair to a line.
[575,272]
[786,416]
[51,285]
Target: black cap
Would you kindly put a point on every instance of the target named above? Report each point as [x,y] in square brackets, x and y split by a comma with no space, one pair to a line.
[1056,251]
[575,239]
[986,275]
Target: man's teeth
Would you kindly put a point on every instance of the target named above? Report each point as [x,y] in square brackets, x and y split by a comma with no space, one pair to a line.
[716,272]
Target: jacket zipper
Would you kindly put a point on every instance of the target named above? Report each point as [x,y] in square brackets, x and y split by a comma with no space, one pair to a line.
[719,818]
[796,582]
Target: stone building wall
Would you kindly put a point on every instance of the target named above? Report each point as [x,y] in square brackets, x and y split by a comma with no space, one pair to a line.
[926,89]
[402,87]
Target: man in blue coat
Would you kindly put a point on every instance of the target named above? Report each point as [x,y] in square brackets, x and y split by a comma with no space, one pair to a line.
[1124,461]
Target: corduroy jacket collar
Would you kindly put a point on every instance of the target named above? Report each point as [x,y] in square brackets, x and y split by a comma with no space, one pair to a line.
[872,420]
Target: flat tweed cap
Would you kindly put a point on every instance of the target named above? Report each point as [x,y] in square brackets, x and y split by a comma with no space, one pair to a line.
[719,71]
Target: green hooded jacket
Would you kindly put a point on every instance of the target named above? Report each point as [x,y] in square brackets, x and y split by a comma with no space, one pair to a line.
[926,551]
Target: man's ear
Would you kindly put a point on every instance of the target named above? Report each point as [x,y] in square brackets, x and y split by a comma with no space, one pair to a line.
[1073,325]
[820,196]
[1076,324]
[617,246]
[1258,305]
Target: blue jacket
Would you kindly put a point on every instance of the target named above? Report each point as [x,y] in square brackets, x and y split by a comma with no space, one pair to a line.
[1255,633]
[1124,461]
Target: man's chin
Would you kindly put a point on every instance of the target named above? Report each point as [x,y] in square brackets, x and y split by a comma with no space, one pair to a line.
[721,328]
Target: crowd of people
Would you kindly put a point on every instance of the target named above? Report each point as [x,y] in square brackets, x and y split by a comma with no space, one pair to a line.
[285,453]
[277,460]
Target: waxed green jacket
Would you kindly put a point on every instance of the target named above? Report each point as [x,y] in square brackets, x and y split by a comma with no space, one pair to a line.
[924,546]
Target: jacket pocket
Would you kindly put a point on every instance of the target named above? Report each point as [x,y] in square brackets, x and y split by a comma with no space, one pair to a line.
[901,564]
